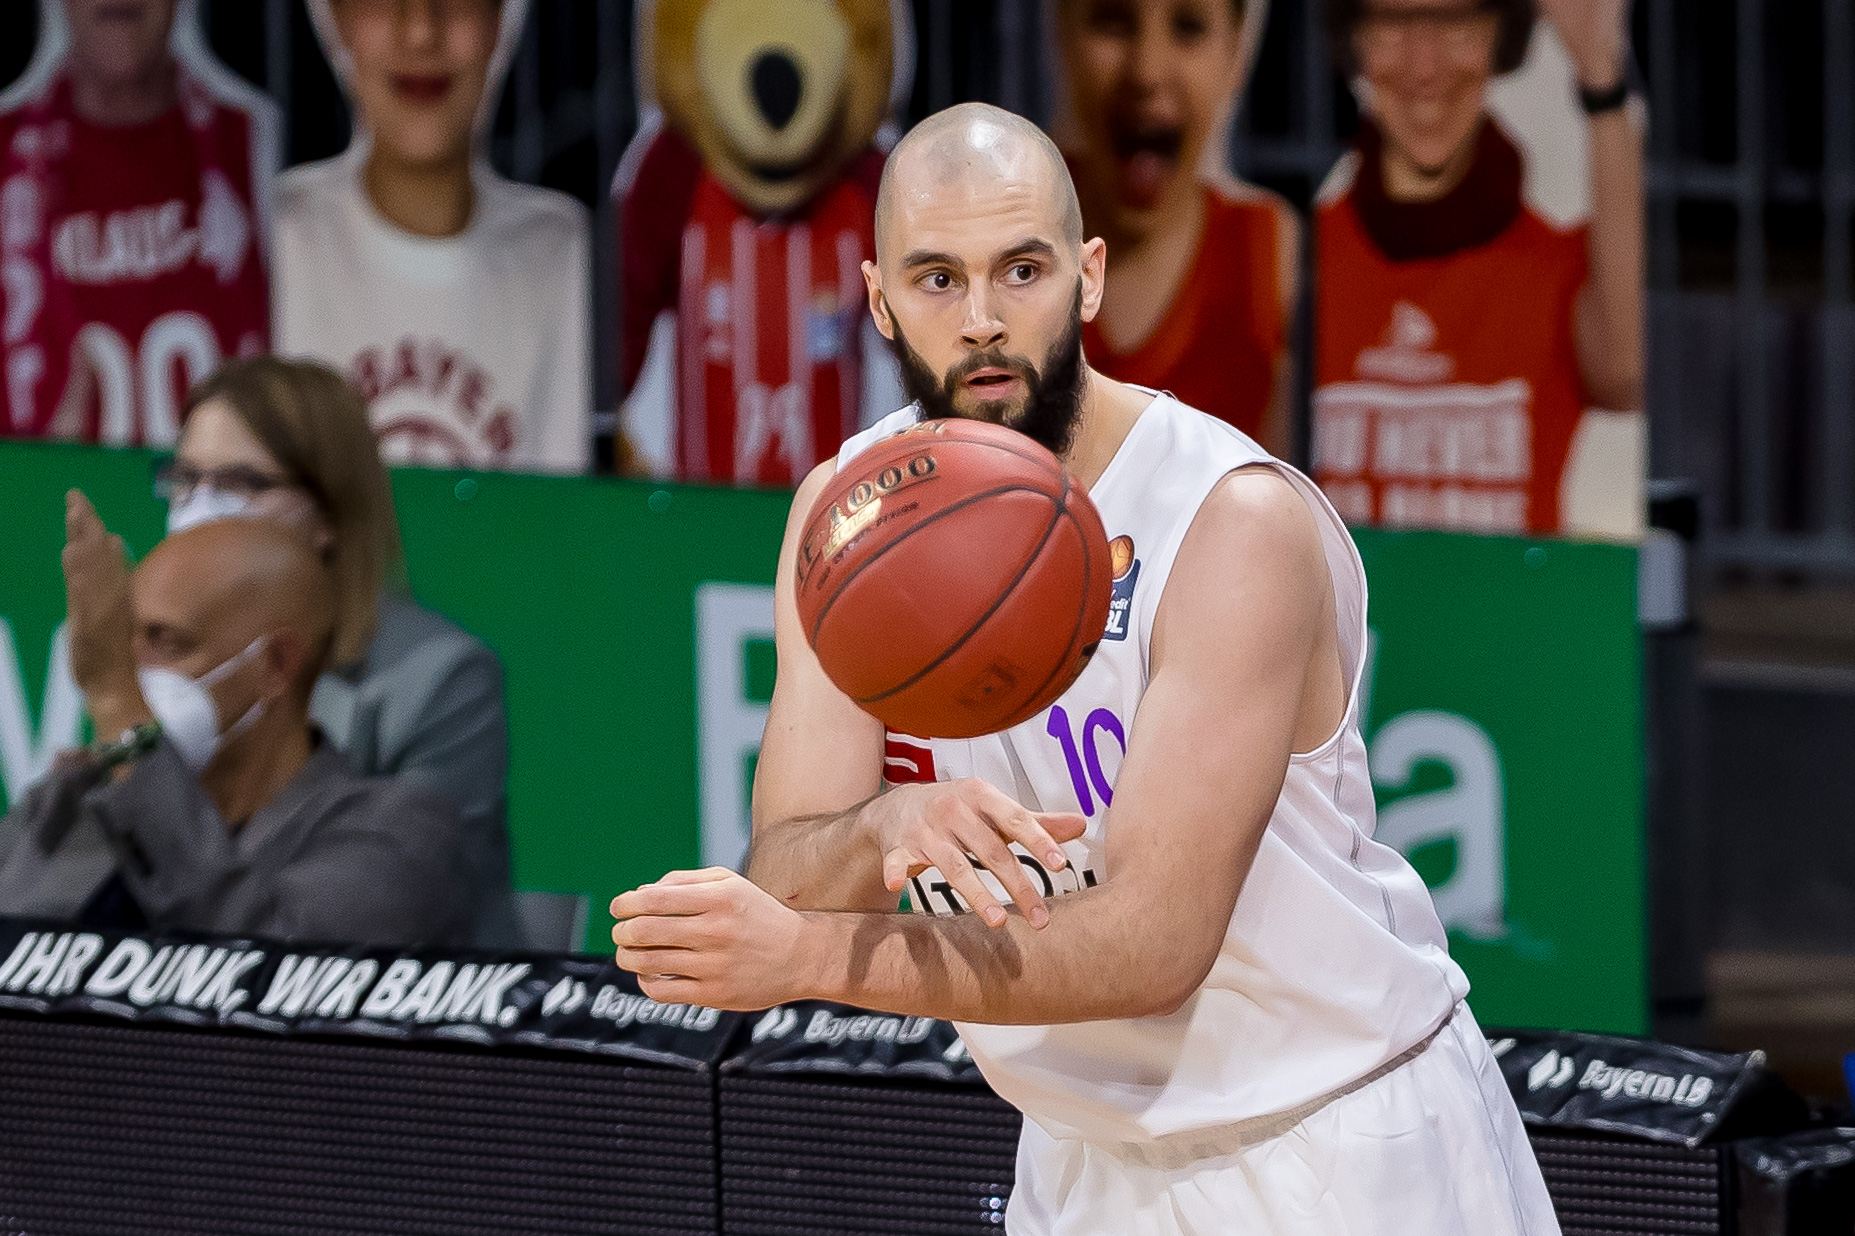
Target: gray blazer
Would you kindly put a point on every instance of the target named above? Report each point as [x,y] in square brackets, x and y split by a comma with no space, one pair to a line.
[425,706]
[333,857]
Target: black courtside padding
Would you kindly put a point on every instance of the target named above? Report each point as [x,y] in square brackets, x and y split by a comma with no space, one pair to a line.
[833,1119]
[194,1086]
[1604,1185]
[138,1129]
[1632,1136]
[498,1093]
[1802,1184]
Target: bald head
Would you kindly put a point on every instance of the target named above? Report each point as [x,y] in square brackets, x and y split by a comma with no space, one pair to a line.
[974,148]
[982,280]
[221,585]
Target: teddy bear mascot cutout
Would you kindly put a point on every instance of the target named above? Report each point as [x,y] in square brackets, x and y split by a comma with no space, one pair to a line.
[745,208]
[135,174]
[1202,267]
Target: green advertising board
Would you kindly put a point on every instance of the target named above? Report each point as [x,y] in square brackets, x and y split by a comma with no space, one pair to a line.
[634,625]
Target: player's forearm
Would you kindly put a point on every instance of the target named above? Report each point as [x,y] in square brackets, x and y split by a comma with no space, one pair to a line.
[1094,961]
[1610,336]
[820,862]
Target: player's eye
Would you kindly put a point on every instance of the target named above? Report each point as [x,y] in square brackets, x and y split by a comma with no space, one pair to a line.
[937,281]
[1021,272]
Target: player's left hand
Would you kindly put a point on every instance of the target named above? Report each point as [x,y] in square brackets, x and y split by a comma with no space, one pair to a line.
[712,938]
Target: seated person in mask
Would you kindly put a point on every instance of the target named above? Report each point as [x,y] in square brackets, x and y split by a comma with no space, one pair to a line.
[406,693]
[220,808]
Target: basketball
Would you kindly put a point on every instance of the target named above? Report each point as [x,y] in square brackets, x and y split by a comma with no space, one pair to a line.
[953,579]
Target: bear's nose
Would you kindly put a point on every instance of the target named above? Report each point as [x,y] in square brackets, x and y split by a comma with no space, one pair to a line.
[777,86]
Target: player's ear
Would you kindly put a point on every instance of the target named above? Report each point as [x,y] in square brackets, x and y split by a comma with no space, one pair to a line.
[879,304]
[1094,276]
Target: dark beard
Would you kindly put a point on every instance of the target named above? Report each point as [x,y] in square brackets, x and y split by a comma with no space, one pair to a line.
[1053,403]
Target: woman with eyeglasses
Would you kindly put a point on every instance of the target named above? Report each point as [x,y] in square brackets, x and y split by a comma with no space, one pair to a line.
[412,694]
[1461,335]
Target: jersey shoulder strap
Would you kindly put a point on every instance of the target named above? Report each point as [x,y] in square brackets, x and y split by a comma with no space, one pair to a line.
[862,440]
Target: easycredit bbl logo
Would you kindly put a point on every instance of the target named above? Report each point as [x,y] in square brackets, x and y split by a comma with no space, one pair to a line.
[1126,575]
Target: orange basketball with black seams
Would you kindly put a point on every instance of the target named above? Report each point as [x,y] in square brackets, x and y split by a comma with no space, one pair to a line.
[953,579]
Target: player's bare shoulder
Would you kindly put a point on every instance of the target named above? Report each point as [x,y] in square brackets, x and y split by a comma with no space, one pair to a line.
[1252,566]
[1257,513]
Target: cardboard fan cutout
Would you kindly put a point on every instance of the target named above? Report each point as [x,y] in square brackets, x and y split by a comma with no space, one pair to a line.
[1601,490]
[132,249]
[745,208]
[1201,266]
[473,347]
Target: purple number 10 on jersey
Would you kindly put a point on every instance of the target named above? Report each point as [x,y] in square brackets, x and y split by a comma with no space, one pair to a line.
[1083,754]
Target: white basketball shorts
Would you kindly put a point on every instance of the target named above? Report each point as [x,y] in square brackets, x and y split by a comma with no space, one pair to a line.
[1433,1148]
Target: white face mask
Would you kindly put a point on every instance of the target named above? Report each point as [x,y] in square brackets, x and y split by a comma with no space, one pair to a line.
[184,707]
[204,504]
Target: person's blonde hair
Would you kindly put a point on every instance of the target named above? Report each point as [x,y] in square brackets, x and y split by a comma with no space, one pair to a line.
[315,426]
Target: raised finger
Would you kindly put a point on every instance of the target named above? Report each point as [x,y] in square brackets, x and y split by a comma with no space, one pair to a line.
[80,517]
[995,856]
[1062,825]
[958,872]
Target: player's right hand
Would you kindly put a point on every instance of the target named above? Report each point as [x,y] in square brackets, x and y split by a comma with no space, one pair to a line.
[951,825]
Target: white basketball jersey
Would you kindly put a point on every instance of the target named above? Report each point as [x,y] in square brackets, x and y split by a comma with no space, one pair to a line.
[1334,962]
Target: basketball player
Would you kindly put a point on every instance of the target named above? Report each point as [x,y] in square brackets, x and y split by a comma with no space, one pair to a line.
[1220,1004]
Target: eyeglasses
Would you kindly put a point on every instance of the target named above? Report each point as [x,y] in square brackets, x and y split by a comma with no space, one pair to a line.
[175,479]
[1461,29]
